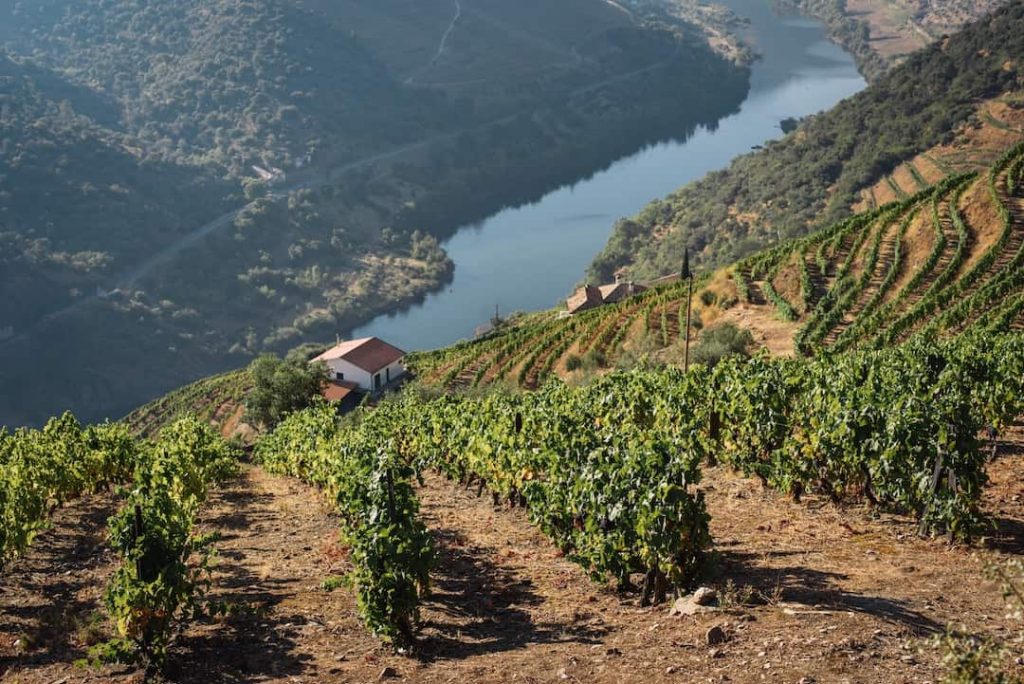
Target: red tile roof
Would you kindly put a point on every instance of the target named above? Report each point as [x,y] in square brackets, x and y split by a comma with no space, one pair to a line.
[586,297]
[337,390]
[369,353]
[616,292]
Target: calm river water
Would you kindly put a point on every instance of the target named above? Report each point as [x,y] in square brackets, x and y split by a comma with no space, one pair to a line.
[530,257]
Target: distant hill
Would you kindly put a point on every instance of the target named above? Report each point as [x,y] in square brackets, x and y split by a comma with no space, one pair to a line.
[813,176]
[133,221]
[881,33]
[78,200]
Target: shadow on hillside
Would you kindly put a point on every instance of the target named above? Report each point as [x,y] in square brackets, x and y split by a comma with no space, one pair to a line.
[45,596]
[257,641]
[477,607]
[819,590]
[1008,535]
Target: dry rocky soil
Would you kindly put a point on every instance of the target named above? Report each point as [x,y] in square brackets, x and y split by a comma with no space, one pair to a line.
[810,593]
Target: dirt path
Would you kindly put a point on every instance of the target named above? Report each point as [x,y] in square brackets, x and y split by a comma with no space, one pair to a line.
[838,595]
[441,46]
[51,597]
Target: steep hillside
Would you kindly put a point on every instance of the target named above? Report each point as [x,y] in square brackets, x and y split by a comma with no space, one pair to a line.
[131,129]
[881,33]
[811,178]
[942,260]
[77,201]
[939,262]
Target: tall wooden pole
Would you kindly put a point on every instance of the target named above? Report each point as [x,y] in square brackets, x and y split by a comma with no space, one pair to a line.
[687,274]
[689,299]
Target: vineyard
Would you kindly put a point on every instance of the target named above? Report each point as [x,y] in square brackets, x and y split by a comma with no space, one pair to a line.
[160,488]
[844,500]
[873,280]
[609,471]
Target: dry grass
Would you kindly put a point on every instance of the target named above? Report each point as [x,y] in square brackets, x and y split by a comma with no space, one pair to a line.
[917,244]
[972,149]
[982,219]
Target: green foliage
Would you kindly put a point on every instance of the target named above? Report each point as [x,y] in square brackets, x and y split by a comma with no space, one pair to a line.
[784,309]
[974,660]
[42,469]
[367,471]
[164,570]
[603,470]
[876,425]
[810,180]
[720,342]
[281,387]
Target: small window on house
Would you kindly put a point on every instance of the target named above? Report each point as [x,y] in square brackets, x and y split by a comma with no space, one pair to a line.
[339,376]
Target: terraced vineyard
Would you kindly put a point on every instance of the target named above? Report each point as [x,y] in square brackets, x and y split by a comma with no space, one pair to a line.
[216,399]
[941,261]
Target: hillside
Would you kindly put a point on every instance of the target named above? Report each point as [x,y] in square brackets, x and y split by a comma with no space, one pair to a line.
[851,501]
[941,260]
[608,501]
[812,177]
[134,223]
[881,33]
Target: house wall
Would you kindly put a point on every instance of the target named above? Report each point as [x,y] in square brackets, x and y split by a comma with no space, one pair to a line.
[358,375]
[397,370]
[352,373]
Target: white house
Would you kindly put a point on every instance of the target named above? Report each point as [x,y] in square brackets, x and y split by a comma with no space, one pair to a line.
[370,362]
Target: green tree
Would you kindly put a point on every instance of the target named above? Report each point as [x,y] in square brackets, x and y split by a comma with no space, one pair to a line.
[281,387]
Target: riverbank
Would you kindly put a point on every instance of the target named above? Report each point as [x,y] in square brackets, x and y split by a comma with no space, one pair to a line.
[880,33]
[530,257]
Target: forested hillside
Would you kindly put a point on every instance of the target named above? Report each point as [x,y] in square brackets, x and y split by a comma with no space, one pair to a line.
[812,177]
[131,129]
[78,201]
[224,82]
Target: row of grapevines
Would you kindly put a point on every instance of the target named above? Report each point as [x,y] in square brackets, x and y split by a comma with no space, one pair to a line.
[605,470]
[742,284]
[942,298]
[845,291]
[866,317]
[856,230]
[1003,318]
[42,469]
[880,425]
[783,307]
[936,295]
[1003,282]
[367,471]
[164,563]
[950,188]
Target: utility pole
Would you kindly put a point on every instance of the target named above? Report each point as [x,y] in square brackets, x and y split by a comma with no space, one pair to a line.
[687,275]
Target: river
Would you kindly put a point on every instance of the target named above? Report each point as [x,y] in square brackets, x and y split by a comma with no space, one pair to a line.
[530,257]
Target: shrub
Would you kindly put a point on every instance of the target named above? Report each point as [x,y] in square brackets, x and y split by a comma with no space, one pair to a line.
[719,342]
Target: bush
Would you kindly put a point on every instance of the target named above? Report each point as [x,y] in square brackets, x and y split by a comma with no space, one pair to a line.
[719,342]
